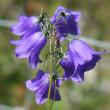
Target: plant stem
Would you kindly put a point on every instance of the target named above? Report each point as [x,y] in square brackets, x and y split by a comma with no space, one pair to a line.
[50,71]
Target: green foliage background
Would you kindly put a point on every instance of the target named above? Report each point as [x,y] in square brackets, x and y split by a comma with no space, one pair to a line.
[94,94]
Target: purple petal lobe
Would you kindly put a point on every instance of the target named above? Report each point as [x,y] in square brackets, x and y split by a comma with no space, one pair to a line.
[26,25]
[39,81]
[67,65]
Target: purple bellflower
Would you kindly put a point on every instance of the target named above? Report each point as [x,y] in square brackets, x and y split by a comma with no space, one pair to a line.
[31,40]
[41,84]
[30,47]
[66,22]
[79,58]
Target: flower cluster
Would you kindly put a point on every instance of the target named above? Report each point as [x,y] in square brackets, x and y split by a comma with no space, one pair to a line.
[34,33]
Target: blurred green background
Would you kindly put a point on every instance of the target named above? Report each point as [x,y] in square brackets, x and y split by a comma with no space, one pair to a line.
[93,94]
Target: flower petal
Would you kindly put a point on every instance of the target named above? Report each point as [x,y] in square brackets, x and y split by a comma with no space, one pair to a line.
[42,94]
[30,47]
[40,80]
[67,65]
[80,52]
[26,25]
[34,56]
[78,76]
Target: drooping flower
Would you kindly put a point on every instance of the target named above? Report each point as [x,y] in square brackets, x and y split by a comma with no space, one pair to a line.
[26,26]
[41,85]
[66,22]
[30,47]
[79,58]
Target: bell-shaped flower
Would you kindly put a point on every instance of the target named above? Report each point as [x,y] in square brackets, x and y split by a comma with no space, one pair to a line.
[79,58]
[43,88]
[26,26]
[30,47]
[66,22]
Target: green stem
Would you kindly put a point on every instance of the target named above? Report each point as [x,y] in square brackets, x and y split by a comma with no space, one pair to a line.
[50,71]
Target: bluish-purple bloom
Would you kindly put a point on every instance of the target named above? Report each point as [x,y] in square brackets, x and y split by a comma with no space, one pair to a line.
[41,84]
[79,58]
[31,40]
[66,22]
[30,47]
[26,26]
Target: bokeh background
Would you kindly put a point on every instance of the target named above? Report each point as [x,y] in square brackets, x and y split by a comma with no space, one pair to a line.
[93,94]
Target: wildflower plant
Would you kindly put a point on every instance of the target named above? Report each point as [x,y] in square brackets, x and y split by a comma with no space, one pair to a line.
[35,33]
